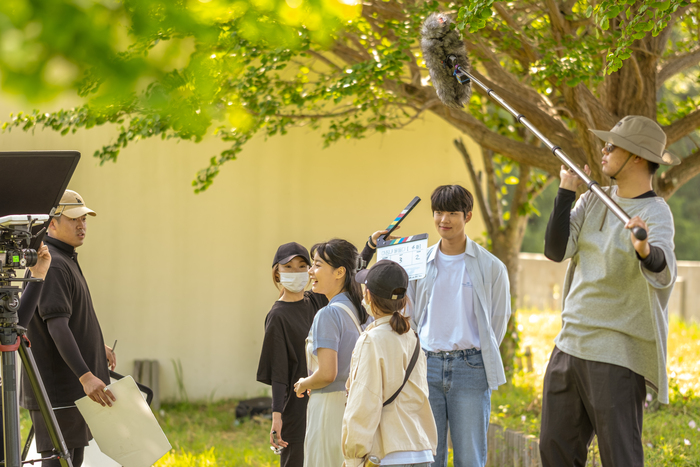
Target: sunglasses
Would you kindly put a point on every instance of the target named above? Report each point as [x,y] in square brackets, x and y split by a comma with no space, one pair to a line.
[609,147]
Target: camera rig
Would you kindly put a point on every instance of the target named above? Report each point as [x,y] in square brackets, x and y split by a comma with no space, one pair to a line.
[20,236]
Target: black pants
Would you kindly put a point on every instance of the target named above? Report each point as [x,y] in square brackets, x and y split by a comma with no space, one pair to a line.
[292,455]
[75,431]
[582,398]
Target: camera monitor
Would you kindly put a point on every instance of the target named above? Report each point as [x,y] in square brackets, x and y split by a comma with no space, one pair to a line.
[33,182]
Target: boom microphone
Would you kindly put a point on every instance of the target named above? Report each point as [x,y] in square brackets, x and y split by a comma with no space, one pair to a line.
[446,58]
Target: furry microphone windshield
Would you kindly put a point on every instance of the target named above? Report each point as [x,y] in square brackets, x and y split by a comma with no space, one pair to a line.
[446,59]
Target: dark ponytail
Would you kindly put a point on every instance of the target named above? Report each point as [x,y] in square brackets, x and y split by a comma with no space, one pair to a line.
[338,252]
[399,323]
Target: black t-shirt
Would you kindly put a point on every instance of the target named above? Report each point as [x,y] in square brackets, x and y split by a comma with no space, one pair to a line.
[283,357]
[65,294]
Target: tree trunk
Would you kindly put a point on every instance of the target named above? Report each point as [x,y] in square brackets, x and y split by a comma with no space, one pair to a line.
[509,254]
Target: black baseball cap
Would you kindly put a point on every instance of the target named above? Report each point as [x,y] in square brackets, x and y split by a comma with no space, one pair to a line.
[287,252]
[385,279]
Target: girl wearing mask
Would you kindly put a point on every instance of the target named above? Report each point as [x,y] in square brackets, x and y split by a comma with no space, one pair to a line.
[282,360]
[388,412]
[333,334]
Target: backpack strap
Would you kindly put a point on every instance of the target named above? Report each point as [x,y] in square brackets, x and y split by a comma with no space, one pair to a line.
[411,365]
[352,315]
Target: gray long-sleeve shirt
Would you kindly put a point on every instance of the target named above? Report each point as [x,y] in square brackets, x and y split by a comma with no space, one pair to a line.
[614,310]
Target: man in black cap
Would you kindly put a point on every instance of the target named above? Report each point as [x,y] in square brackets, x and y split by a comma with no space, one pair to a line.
[615,304]
[67,342]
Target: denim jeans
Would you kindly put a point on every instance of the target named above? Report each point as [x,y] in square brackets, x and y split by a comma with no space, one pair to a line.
[460,396]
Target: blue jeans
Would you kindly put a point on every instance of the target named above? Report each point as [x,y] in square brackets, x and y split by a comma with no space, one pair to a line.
[460,396]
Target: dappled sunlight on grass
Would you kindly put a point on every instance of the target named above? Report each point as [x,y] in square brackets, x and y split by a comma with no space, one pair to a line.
[684,356]
[671,433]
[207,435]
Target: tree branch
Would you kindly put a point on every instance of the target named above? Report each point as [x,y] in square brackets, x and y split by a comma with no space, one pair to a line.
[559,26]
[496,72]
[676,64]
[515,229]
[682,127]
[515,150]
[384,10]
[358,46]
[324,59]
[638,76]
[347,54]
[675,177]
[497,39]
[527,46]
[536,192]
[480,197]
[553,126]
[496,212]
[313,116]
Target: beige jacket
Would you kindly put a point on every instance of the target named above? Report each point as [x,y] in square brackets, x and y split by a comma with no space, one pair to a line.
[377,370]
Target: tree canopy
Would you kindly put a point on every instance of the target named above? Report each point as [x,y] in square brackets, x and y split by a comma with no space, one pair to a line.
[180,69]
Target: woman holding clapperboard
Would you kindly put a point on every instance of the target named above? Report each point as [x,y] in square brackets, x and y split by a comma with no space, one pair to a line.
[388,418]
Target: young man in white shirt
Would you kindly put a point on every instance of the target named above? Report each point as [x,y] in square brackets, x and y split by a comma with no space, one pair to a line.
[460,311]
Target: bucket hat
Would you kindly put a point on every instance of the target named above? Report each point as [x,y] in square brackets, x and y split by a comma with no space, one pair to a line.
[640,136]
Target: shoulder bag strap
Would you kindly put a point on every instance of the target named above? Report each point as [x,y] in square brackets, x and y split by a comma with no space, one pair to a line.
[352,315]
[411,365]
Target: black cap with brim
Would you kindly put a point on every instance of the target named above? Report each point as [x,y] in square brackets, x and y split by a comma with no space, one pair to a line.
[386,279]
[288,251]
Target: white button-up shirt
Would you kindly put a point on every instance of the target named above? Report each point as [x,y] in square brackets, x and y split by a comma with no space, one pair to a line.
[492,305]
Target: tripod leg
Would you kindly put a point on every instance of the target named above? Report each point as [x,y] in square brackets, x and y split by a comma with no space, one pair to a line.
[28,444]
[10,409]
[43,400]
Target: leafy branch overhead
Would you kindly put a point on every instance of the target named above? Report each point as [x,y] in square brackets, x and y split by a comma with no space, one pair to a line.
[185,69]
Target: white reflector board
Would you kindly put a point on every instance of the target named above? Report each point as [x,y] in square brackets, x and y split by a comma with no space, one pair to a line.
[128,432]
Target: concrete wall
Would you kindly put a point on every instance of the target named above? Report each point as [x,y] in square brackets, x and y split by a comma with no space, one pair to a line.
[178,276]
[541,283]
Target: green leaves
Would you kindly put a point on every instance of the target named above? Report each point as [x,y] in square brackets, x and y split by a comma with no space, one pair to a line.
[640,18]
[49,46]
[474,14]
[186,69]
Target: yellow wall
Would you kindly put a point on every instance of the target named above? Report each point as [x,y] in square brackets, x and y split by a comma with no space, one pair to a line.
[176,275]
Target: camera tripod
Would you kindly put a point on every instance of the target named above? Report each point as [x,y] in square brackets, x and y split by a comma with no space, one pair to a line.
[13,340]
[50,172]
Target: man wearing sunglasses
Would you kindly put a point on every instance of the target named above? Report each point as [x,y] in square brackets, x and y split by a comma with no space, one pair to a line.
[615,303]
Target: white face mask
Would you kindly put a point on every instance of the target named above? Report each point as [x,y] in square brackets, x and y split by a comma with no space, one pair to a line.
[365,303]
[294,281]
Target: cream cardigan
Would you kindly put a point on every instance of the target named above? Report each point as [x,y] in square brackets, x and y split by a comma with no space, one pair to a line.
[377,370]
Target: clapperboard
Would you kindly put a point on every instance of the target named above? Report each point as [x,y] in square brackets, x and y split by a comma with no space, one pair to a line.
[409,252]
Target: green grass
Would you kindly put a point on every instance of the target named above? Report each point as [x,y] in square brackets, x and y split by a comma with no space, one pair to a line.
[208,435]
[671,434]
